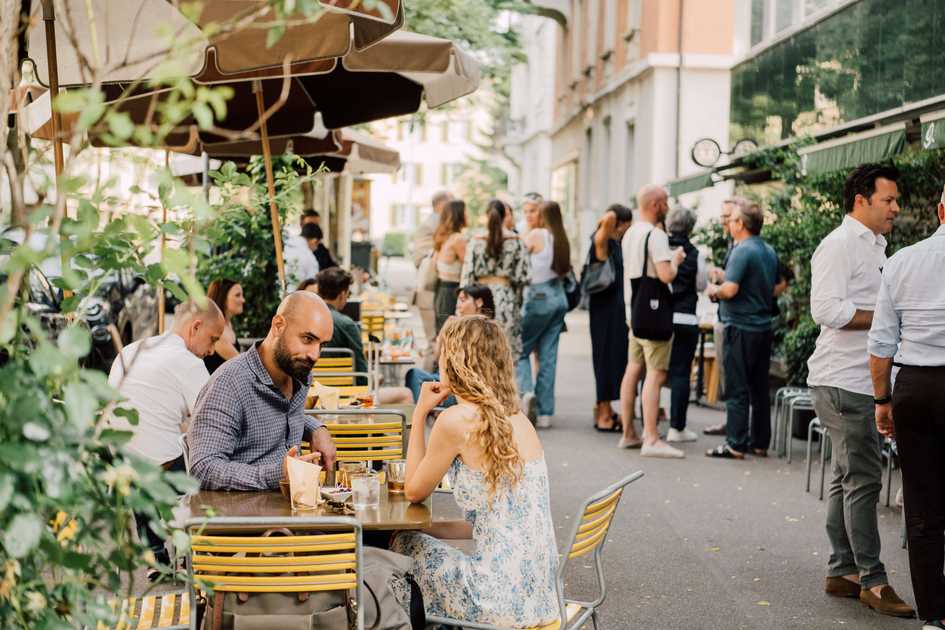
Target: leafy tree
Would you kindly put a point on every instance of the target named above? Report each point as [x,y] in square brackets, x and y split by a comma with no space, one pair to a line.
[236,243]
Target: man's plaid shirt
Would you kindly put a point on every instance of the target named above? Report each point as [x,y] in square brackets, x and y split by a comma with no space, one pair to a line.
[243,426]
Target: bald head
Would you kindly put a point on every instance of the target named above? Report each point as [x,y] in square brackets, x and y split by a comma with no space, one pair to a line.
[652,200]
[300,326]
[304,305]
[199,325]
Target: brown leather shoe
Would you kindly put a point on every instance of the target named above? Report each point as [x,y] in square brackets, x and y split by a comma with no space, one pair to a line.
[887,604]
[841,587]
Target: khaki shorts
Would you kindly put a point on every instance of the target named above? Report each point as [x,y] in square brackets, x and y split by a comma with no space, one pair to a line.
[653,354]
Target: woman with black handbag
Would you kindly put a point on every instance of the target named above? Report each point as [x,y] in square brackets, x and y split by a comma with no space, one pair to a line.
[602,283]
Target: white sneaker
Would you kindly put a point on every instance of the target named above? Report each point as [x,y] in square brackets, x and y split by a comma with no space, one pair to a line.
[685,435]
[530,407]
[662,450]
[899,497]
[543,422]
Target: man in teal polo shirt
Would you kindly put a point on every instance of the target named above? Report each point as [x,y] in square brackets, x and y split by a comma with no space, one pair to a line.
[747,310]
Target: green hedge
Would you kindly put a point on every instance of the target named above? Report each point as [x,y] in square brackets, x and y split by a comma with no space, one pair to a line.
[803,210]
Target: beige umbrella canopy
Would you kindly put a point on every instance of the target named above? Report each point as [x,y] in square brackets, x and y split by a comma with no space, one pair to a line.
[226,42]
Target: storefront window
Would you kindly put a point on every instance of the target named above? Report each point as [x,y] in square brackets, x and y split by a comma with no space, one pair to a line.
[855,63]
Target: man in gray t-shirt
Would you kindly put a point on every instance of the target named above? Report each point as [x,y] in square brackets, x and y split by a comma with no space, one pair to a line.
[747,310]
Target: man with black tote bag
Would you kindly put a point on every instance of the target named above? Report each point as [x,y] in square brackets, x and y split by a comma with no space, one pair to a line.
[649,267]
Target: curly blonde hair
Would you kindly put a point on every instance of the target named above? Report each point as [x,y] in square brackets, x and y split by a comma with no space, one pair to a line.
[476,358]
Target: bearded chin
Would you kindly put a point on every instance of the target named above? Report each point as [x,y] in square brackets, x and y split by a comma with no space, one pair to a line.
[298,370]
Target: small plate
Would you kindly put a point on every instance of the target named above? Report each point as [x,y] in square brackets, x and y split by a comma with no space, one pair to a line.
[336,494]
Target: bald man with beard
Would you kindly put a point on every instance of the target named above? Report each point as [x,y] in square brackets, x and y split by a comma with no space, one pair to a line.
[250,417]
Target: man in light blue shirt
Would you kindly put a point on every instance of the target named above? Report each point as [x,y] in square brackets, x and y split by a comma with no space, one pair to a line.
[909,329]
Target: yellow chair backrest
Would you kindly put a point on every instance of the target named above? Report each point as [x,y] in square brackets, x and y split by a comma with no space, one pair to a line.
[595,522]
[276,564]
[372,324]
[334,364]
[374,441]
[153,612]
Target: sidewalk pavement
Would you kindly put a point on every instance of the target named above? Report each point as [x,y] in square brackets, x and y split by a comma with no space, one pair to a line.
[700,543]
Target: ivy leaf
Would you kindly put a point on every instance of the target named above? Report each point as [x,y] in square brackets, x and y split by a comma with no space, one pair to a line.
[204,115]
[35,432]
[116,437]
[6,491]
[120,125]
[131,415]
[75,342]
[80,404]
[47,361]
[22,535]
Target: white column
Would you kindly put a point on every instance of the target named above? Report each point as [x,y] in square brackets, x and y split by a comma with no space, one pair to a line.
[345,186]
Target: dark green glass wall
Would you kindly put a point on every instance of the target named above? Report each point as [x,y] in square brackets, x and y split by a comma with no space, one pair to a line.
[870,57]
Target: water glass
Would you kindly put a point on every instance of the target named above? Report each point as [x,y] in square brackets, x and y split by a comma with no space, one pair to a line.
[396,475]
[365,490]
[347,469]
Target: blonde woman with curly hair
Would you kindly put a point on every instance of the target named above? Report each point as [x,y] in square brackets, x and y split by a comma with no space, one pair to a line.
[497,468]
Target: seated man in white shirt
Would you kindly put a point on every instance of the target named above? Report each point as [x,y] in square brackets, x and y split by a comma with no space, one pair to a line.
[160,377]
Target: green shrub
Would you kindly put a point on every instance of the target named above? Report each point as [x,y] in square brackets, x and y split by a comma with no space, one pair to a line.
[803,210]
[394,244]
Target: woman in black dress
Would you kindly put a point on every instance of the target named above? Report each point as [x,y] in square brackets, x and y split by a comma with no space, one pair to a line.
[608,317]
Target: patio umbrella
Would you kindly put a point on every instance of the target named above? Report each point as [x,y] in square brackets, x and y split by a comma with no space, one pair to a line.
[228,55]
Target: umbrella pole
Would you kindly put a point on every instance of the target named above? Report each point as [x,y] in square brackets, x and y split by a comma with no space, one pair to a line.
[160,297]
[52,66]
[270,183]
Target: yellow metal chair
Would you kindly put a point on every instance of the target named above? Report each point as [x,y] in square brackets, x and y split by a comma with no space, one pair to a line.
[330,365]
[167,611]
[364,438]
[230,554]
[587,537]
[372,323]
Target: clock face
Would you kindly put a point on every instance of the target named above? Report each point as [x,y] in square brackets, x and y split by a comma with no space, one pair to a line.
[706,152]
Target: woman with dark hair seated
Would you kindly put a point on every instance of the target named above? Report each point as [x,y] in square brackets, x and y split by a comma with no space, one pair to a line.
[474,299]
[228,295]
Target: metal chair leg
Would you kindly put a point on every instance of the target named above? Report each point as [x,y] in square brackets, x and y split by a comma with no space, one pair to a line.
[904,534]
[810,445]
[825,446]
[594,619]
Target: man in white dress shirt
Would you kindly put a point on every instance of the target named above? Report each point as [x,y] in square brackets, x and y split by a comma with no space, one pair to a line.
[160,377]
[846,272]
[909,327]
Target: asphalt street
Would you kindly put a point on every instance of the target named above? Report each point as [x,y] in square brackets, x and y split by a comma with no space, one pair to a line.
[700,543]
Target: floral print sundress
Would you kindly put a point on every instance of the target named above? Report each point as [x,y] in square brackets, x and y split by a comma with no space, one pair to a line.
[510,579]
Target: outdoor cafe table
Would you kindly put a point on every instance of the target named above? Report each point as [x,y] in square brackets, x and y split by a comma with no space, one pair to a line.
[394,511]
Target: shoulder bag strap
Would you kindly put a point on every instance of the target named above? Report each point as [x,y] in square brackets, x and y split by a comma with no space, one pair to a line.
[646,252]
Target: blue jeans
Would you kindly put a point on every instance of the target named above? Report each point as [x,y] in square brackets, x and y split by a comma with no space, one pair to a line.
[416,378]
[542,321]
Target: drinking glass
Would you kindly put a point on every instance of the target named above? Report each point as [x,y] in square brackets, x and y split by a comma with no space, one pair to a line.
[396,475]
[347,469]
[365,490]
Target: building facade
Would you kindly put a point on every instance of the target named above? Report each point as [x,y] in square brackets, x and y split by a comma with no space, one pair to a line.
[636,83]
[434,148]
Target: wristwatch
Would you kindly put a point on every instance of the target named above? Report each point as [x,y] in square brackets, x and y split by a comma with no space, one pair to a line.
[885,400]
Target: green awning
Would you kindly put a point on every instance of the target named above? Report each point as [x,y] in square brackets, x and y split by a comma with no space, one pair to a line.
[875,145]
[689,184]
[933,131]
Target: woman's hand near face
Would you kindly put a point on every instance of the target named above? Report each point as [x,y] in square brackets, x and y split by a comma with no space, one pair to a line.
[432,393]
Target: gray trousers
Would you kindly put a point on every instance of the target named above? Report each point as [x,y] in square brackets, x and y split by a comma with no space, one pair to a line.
[855,484]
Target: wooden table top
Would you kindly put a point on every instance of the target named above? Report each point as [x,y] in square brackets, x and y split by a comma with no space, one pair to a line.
[393,512]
